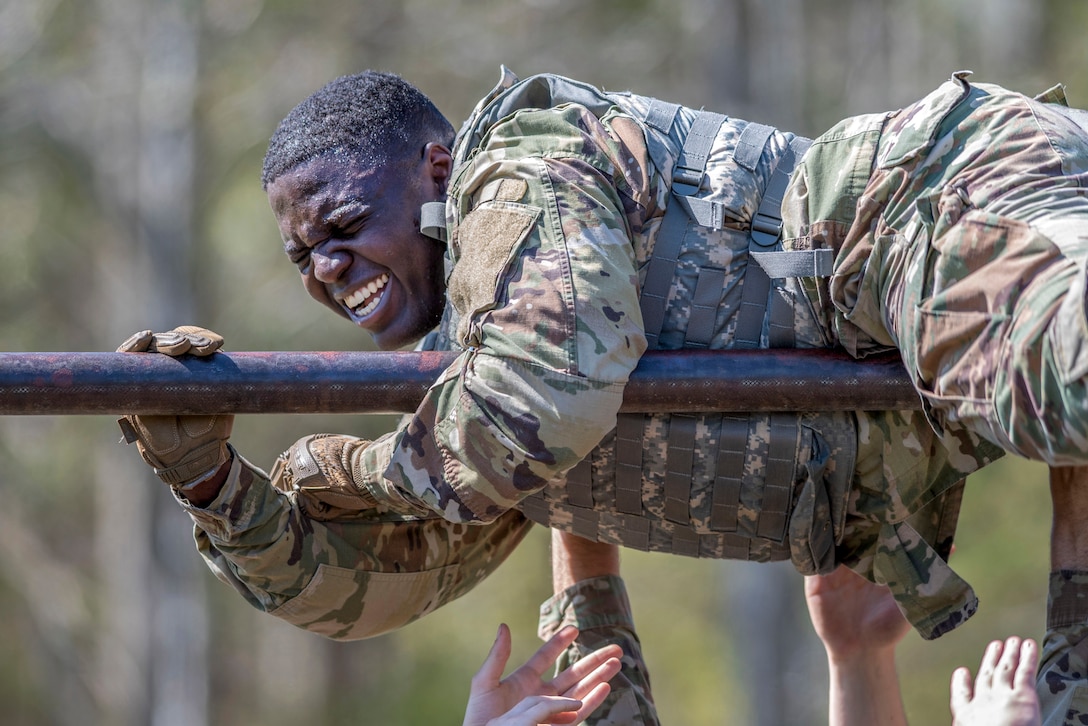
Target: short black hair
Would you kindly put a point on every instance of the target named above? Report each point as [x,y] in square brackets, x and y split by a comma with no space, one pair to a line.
[376,115]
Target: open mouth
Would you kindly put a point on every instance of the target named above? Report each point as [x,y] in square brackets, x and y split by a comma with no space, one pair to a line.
[363,301]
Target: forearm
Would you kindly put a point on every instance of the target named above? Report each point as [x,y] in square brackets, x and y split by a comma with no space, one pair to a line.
[240,532]
[1068,535]
[864,690]
[1062,683]
[353,575]
[575,559]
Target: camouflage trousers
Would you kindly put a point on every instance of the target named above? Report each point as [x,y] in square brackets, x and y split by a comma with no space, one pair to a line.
[967,253]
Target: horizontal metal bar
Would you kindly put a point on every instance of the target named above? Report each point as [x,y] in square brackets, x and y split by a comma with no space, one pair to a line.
[395,382]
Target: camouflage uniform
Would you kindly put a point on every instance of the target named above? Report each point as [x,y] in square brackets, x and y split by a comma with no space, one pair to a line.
[344,575]
[878,491]
[1062,682]
[599,608]
[960,232]
[554,211]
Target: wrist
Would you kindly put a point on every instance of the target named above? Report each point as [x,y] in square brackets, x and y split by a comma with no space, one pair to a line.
[864,688]
[863,670]
[203,492]
[862,662]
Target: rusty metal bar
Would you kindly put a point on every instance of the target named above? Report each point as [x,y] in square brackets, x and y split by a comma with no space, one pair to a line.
[358,382]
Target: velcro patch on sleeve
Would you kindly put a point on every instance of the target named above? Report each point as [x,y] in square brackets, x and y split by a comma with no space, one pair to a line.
[511,190]
[487,237]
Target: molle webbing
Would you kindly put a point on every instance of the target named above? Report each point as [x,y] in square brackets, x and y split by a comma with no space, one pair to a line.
[756,299]
[686,181]
[687,210]
[745,502]
[729,489]
[722,506]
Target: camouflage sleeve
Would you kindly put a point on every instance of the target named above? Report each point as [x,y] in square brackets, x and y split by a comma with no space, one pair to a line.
[1062,682]
[353,575]
[599,608]
[543,298]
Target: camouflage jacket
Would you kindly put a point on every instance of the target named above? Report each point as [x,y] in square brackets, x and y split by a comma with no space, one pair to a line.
[1062,681]
[881,488]
[599,608]
[553,213]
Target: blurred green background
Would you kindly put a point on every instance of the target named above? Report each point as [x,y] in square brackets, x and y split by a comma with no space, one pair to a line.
[131,137]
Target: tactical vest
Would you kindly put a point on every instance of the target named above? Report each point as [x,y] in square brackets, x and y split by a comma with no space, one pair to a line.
[768,486]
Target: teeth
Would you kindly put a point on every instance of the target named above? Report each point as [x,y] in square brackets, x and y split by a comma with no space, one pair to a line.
[367,295]
[368,308]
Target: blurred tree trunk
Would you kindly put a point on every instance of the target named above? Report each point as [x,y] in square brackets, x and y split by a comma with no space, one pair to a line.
[154,636]
[777,654]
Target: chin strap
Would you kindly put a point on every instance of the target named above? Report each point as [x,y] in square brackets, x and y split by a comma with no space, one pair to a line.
[432,220]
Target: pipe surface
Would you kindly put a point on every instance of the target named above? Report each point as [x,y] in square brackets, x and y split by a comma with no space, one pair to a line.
[394,382]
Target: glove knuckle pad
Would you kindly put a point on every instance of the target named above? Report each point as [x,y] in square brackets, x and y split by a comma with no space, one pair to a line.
[196,427]
[317,467]
[159,434]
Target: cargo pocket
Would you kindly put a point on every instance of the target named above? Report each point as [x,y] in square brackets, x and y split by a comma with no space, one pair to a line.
[346,604]
[1068,334]
[818,517]
[975,277]
[953,364]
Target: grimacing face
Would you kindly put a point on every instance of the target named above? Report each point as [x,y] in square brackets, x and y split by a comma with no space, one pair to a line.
[353,231]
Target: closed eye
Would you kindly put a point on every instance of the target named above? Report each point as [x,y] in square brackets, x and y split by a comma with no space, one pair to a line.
[349,230]
[298,255]
[346,221]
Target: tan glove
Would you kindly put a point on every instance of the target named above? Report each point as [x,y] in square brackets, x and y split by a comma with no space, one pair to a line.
[319,467]
[182,449]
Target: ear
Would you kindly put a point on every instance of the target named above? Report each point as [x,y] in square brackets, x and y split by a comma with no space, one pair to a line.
[438,165]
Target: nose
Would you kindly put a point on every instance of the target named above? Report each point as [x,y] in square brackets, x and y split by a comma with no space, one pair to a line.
[329,264]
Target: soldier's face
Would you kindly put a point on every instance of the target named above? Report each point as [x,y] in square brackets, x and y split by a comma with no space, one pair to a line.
[353,232]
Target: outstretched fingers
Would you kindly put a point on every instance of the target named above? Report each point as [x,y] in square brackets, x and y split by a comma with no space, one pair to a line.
[597,667]
[542,709]
[1024,678]
[1003,694]
[490,672]
[592,701]
[1007,664]
[986,669]
[962,690]
[546,655]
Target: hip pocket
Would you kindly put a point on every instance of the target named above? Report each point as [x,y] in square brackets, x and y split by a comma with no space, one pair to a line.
[954,362]
[1068,335]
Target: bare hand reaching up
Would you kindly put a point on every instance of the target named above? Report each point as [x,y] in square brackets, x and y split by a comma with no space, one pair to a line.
[524,698]
[1003,694]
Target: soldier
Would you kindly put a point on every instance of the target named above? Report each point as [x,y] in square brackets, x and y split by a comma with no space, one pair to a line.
[564,231]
